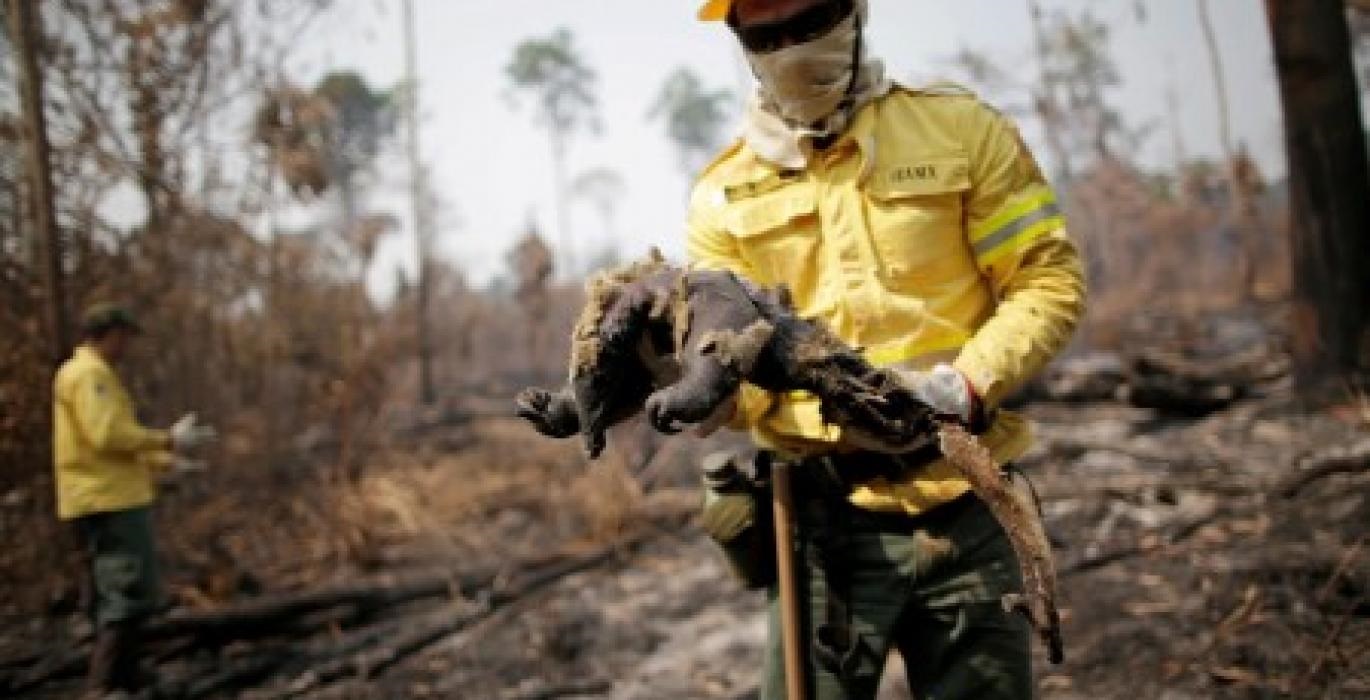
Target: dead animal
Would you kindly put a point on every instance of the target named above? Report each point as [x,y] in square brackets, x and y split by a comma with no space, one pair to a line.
[678,343]
[621,350]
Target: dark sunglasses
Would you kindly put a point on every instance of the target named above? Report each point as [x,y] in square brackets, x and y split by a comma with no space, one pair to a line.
[802,27]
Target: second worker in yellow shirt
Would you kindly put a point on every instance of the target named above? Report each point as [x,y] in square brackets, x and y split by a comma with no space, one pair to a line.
[105,466]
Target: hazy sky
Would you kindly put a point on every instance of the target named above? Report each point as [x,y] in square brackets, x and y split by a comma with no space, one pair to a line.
[491,165]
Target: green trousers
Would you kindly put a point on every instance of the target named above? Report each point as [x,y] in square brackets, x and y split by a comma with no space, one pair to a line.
[123,565]
[929,586]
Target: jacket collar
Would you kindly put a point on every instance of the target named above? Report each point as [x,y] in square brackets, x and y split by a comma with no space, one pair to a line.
[752,168]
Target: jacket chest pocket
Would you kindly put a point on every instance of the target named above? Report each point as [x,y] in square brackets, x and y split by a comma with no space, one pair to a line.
[916,216]
[777,232]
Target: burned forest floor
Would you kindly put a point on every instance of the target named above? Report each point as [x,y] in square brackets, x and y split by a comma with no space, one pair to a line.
[1216,556]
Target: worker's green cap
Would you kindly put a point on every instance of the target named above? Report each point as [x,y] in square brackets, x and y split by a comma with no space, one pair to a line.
[105,316]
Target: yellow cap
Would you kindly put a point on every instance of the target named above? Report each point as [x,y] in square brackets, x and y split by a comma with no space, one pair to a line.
[715,10]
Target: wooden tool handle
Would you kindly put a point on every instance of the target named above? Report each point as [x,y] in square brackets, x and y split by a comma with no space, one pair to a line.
[782,501]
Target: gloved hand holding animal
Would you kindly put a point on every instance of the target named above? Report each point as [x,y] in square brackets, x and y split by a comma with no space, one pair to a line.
[678,343]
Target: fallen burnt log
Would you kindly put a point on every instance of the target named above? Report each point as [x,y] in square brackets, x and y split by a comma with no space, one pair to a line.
[225,675]
[1195,387]
[581,688]
[270,614]
[277,623]
[376,653]
[1170,382]
[1096,377]
[66,664]
[1339,459]
[1174,385]
[279,615]
[677,343]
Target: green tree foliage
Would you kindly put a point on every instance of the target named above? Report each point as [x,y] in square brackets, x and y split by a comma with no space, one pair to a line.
[360,120]
[694,117]
[328,139]
[551,70]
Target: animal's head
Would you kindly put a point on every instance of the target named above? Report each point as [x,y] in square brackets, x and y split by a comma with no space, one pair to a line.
[622,346]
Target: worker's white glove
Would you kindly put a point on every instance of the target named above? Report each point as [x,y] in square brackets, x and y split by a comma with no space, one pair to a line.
[186,435]
[186,465]
[944,389]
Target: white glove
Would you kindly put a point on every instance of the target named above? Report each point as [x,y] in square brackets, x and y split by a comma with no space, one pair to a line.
[185,465]
[186,435]
[944,389]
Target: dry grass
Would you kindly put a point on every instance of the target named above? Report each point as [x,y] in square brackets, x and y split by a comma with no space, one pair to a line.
[607,497]
[1185,254]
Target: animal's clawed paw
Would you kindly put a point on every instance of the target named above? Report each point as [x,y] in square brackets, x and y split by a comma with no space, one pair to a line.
[659,415]
[551,414]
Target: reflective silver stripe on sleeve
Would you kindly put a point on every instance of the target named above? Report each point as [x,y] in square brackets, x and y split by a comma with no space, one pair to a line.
[1017,226]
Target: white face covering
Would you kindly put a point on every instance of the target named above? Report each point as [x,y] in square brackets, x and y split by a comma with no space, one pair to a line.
[807,90]
[807,82]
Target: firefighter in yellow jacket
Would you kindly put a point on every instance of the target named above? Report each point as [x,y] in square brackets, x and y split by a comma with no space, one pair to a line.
[105,465]
[916,225]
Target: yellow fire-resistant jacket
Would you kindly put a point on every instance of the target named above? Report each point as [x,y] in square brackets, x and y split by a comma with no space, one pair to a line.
[926,233]
[104,460]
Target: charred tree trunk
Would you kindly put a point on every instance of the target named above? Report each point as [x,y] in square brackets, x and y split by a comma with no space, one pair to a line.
[1329,189]
[1215,64]
[26,31]
[422,214]
[568,243]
